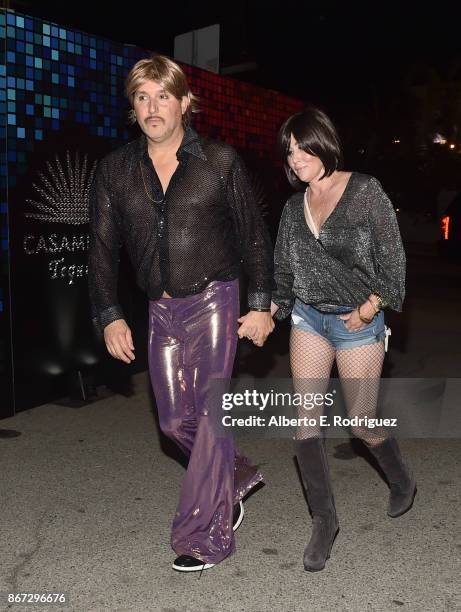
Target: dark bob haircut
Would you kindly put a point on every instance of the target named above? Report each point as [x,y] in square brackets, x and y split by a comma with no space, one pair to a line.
[315,134]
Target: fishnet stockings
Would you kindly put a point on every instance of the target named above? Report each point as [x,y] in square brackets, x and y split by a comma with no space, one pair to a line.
[311,359]
[360,371]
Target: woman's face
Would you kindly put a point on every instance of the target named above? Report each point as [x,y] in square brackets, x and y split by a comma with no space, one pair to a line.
[307,167]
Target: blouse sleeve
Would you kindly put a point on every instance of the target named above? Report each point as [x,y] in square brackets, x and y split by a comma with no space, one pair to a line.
[389,254]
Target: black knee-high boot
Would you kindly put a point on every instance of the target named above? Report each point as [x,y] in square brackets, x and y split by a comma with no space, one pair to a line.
[401,480]
[312,460]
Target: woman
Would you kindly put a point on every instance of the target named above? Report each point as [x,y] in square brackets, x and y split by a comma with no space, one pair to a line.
[339,261]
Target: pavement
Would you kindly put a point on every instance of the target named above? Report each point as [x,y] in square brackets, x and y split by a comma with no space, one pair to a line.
[88,496]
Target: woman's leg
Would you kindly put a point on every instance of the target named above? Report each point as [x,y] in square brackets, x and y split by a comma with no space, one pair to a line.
[311,359]
[360,371]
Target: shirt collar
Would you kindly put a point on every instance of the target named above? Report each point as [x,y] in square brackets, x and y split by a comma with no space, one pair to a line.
[190,144]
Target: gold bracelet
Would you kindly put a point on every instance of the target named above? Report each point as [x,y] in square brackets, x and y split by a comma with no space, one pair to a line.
[380,299]
[362,318]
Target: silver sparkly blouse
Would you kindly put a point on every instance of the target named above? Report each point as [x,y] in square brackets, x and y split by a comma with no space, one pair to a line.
[359,251]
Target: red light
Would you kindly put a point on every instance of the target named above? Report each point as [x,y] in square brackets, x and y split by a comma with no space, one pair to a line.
[445,227]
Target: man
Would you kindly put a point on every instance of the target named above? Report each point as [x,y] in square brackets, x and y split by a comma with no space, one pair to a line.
[183,206]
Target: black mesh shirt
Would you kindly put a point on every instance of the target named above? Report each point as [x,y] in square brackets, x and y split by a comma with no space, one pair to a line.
[200,230]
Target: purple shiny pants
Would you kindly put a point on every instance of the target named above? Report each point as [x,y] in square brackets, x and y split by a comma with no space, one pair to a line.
[192,341]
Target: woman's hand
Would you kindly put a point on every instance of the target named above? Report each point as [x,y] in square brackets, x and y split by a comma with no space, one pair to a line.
[352,320]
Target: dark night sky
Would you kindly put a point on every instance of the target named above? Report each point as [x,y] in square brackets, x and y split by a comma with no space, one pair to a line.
[337,54]
[350,58]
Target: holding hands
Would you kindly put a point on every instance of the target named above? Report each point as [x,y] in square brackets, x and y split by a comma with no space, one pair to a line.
[256,326]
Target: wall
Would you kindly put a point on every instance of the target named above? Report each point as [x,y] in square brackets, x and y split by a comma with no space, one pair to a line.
[61,108]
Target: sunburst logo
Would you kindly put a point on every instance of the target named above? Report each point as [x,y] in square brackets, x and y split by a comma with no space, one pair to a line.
[64,191]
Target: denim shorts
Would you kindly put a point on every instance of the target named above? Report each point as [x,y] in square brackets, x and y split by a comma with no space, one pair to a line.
[333,329]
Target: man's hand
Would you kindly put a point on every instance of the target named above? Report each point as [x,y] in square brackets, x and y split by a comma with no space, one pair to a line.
[256,326]
[119,343]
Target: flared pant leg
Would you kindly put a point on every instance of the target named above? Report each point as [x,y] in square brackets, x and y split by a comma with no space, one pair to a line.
[192,345]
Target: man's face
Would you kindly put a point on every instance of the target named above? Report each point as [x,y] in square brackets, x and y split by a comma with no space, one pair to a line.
[158,112]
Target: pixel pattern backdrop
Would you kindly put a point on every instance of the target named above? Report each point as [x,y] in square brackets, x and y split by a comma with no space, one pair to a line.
[62,108]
